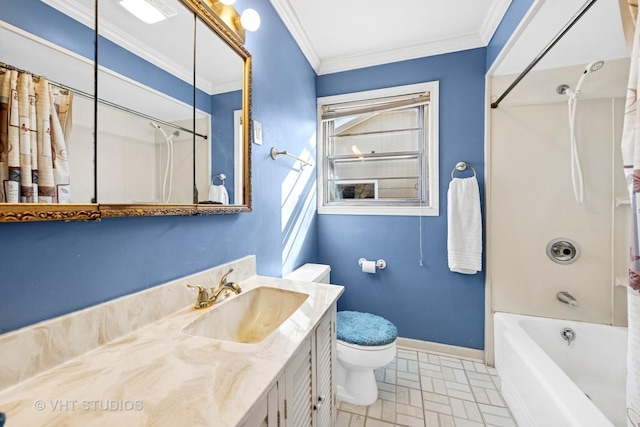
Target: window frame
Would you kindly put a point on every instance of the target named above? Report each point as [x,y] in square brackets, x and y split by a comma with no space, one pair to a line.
[431,174]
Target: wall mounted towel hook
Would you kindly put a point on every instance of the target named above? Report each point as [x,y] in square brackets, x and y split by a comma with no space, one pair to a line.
[460,166]
[275,153]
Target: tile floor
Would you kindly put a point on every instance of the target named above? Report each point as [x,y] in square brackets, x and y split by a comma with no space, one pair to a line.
[431,390]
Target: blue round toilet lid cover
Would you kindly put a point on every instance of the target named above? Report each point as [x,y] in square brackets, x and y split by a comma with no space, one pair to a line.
[365,329]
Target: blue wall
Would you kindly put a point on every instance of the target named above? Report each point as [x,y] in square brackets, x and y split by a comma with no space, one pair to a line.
[425,302]
[49,269]
[24,15]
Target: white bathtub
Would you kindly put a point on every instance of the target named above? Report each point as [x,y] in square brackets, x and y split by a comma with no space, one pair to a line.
[548,383]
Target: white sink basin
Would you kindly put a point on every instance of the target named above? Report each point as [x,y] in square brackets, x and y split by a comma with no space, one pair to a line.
[248,317]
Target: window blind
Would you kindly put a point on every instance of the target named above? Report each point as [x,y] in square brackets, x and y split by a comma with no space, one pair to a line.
[334,111]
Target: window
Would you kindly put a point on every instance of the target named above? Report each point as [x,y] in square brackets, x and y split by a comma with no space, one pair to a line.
[378,152]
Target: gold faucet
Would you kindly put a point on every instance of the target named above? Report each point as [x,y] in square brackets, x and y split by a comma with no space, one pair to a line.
[208,298]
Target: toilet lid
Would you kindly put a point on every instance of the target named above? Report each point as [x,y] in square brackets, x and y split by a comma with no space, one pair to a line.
[365,329]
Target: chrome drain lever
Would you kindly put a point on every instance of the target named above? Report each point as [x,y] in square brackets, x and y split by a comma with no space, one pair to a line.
[568,335]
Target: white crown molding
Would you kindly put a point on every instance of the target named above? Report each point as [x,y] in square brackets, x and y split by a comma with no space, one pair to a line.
[335,65]
[224,87]
[368,59]
[493,19]
[113,33]
[287,14]
[74,10]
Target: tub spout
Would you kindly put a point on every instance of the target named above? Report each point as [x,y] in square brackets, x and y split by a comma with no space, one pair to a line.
[567,298]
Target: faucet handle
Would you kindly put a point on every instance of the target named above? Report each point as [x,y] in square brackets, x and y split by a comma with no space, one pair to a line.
[224,278]
[199,287]
[203,295]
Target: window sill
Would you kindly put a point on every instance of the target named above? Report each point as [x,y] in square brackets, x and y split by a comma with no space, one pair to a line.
[379,210]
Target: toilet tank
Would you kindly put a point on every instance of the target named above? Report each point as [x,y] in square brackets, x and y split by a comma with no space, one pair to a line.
[311,273]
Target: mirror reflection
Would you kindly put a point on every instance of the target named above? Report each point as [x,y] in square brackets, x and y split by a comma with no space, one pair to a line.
[145,128]
[46,104]
[219,93]
[160,125]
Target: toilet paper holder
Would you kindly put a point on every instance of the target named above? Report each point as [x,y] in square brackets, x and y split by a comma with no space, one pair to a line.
[381,264]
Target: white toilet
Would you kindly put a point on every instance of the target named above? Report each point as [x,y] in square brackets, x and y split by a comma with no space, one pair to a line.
[360,350]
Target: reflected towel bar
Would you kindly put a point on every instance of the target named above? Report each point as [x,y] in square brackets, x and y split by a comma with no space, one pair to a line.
[275,153]
[104,102]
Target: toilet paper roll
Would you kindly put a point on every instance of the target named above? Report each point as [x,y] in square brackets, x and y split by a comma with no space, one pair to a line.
[369,267]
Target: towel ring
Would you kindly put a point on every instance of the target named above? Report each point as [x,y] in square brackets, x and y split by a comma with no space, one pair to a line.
[462,166]
[221,177]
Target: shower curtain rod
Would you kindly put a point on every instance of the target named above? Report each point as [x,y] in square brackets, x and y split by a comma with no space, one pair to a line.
[102,101]
[537,59]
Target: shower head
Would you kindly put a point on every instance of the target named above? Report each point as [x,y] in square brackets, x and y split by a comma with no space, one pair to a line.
[590,68]
[593,66]
[157,126]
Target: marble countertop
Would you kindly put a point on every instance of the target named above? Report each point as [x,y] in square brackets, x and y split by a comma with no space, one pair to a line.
[159,376]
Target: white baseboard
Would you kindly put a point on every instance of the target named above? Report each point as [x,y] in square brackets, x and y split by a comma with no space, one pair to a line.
[444,349]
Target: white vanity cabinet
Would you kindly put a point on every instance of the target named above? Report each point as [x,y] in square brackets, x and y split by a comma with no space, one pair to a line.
[304,395]
[267,413]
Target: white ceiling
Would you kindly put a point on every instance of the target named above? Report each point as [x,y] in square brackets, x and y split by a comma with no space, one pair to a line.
[168,44]
[597,35]
[339,35]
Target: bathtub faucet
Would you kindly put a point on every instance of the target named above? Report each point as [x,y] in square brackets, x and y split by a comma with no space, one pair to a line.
[567,298]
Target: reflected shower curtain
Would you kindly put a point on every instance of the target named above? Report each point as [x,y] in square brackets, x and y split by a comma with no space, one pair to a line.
[35,120]
[631,160]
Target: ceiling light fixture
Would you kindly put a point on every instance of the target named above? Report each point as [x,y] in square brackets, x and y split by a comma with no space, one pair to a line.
[227,15]
[149,11]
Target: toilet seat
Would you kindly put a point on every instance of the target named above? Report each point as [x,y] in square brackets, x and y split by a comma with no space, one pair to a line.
[367,347]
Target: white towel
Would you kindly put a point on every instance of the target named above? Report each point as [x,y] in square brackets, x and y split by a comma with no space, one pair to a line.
[217,193]
[464,240]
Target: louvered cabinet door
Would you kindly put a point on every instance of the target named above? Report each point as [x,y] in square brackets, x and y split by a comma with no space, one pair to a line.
[266,412]
[299,388]
[323,370]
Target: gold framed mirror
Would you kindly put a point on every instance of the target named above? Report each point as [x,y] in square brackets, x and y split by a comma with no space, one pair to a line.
[160,121]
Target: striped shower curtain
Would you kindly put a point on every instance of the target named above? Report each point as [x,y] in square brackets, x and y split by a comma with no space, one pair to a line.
[34,119]
[631,160]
